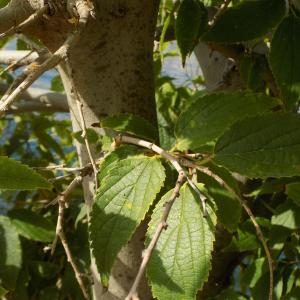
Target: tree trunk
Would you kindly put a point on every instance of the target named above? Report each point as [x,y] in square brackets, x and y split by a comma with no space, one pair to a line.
[112,71]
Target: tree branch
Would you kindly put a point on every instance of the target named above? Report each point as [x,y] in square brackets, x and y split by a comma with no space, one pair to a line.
[14,13]
[59,55]
[36,99]
[29,21]
[23,57]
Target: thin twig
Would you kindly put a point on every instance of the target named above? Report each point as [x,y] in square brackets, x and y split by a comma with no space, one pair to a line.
[62,198]
[172,159]
[221,9]
[80,170]
[70,258]
[13,65]
[29,21]
[243,203]
[162,225]
[59,233]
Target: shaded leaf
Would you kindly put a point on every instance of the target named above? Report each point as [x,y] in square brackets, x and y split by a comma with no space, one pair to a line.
[212,114]
[293,191]
[287,215]
[262,146]
[56,84]
[131,124]
[121,203]
[16,176]
[285,59]
[3,291]
[32,226]
[246,21]
[11,254]
[190,23]
[181,261]
[229,209]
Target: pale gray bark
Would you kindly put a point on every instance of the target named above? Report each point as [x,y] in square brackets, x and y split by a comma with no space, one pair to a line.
[112,70]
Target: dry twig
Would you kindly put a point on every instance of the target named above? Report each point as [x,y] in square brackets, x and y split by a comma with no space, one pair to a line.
[59,233]
[219,12]
[162,225]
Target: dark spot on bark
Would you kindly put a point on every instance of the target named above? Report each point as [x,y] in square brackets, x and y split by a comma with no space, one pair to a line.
[133,95]
[101,68]
[100,45]
[119,10]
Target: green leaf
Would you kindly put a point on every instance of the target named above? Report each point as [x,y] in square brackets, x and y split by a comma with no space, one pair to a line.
[3,2]
[246,21]
[190,23]
[91,135]
[254,271]
[121,203]
[212,114]
[252,69]
[229,294]
[131,124]
[11,254]
[287,215]
[110,161]
[181,262]
[262,146]
[229,209]
[244,242]
[285,59]
[32,226]
[16,176]
[44,269]
[56,84]
[49,142]
[293,191]
[3,291]
[294,294]
[166,132]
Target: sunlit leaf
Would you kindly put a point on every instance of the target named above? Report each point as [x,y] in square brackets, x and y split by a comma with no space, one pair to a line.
[121,203]
[181,261]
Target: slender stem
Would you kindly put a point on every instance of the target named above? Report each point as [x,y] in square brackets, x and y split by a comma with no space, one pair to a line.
[62,201]
[219,12]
